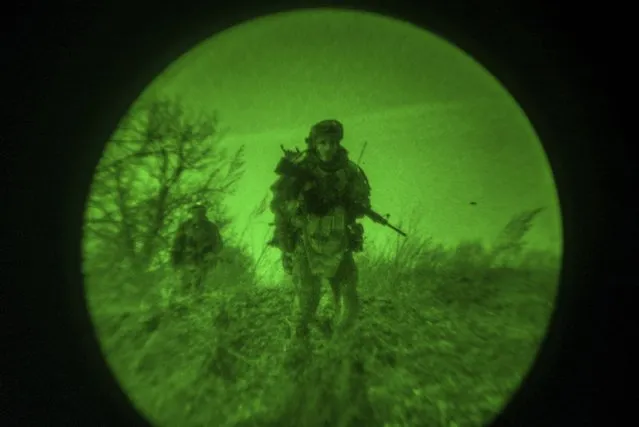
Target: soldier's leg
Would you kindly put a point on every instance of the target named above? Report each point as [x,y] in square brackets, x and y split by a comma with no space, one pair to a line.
[347,278]
[184,278]
[308,294]
[200,280]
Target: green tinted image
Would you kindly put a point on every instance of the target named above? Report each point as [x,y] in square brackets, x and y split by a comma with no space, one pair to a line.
[322,218]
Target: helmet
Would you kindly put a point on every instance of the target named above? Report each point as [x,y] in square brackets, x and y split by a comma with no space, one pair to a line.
[330,128]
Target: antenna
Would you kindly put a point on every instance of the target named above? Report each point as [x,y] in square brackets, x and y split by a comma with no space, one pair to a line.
[361,153]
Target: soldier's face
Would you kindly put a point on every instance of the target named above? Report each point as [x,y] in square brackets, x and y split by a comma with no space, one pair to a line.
[326,148]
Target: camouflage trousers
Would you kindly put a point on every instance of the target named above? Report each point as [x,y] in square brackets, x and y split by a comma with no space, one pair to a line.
[309,290]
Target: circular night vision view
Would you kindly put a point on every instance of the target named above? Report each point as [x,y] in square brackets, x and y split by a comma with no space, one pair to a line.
[322,217]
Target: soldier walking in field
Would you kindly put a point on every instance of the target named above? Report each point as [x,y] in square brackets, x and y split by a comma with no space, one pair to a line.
[196,248]
[317,199]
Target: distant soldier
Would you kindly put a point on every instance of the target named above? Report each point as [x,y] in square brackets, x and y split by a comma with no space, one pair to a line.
[196,248]
[317,199]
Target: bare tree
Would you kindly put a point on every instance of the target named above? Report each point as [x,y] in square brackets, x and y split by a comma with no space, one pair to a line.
[160,159]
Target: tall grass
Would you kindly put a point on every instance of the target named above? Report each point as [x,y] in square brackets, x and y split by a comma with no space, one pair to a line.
[444,337]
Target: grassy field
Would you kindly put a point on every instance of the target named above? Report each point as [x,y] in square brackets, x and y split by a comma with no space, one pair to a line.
[444,338]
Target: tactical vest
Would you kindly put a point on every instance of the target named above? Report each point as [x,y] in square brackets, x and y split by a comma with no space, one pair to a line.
[325,240]
[198,238]
[325,237]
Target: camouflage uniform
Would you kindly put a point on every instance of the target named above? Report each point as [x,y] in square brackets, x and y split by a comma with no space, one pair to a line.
[195,249]
[316,228]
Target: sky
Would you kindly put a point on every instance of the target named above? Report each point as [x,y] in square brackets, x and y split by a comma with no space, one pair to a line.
[441,131]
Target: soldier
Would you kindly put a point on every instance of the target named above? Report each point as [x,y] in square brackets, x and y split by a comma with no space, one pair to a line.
[317,199]
[196,248]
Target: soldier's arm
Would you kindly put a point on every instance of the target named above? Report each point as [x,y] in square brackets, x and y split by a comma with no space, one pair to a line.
[286,199]
[360,192]
[284,206]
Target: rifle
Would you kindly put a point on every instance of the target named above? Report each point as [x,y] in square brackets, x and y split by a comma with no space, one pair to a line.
[288,167]
[379,219]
